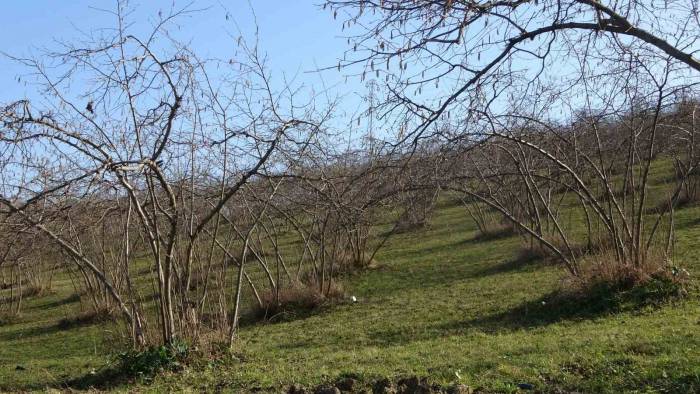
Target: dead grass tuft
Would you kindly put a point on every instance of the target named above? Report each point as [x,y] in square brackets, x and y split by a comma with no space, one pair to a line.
[299,298]
[495,230]
[87,318]
[654,281]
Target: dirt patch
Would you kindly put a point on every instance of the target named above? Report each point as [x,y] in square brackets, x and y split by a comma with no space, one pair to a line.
[402,385]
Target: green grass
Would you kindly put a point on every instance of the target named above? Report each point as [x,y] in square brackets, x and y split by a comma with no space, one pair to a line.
[440,305]
[36,351]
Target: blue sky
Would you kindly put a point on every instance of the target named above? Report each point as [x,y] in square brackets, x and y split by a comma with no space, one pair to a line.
[296,34]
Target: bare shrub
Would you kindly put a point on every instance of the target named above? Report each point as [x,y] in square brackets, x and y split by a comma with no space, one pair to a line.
[525,146]
[418,211]
[690,187]
[182,183]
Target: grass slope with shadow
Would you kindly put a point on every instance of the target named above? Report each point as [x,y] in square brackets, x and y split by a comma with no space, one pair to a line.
[442,305]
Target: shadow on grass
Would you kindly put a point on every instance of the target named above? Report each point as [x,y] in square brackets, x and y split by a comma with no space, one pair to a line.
[438,266]
[81,320]
[109,378]
[135,366]
[27,293]
[106,379]
[30,332]
[252,318]
[622,374]
[689,224]
[249,318]
[87,382]
[523,260]
[552,308]
[57,303]
[598,300]
[663,207]
[495,233]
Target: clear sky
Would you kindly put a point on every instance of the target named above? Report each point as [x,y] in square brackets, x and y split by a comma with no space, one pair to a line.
[296,34]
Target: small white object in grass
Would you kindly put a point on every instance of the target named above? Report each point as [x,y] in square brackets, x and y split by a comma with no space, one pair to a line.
[353,298]
[543,302]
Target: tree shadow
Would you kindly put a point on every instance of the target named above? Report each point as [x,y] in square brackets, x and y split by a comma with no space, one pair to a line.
[438,266]
[27,293]
[522,261]
[597,300]
[131,366]
[689,224]
[497,233]
[30,332]
[82,320]
[106,379]
[57,303]
[253,318]
[554,307]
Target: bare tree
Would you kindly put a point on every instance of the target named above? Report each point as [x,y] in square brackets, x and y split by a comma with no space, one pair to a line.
[542,101]
[131,127]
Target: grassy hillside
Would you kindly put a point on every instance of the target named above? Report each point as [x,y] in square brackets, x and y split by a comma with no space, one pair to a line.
[441,304]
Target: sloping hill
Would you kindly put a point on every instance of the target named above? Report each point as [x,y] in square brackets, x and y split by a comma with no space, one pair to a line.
[441,304]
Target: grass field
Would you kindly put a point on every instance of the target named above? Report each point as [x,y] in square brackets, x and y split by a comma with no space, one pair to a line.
[441,304]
